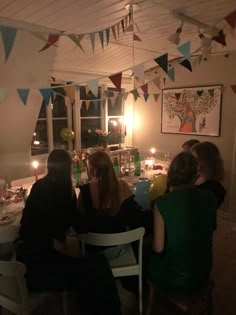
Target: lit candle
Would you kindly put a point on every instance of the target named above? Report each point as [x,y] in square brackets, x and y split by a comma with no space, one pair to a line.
[153,150]
[125,133]
[114,125]
[35,166]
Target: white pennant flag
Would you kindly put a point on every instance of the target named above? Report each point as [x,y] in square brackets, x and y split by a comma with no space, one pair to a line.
[139,72]
[93,86]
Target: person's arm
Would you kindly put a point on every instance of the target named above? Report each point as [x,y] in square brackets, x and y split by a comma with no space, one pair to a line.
[159,231]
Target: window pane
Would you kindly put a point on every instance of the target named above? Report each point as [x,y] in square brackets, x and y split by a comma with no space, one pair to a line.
[57,140]
[94,107]
[115,102]
[39,143]
[59,108]
[115,126]
[43,110]
[88,140]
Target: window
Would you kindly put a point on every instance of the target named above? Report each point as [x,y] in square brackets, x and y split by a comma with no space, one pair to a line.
[91,115]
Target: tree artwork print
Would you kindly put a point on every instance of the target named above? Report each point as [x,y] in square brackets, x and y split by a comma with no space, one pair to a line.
[192,110]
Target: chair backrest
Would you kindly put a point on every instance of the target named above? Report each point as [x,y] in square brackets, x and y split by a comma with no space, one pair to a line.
[114,239]
[8,234]
[13,290]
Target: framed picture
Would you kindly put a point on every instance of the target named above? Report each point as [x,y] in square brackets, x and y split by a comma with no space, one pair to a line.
[192,110]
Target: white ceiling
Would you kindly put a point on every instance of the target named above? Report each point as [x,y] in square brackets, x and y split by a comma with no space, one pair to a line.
[155,20]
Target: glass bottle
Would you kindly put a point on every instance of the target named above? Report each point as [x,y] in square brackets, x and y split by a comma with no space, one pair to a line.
[77,174]
[116,166]
[137,164]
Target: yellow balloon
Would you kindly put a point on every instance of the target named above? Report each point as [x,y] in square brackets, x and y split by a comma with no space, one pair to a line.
[67,134]
[158,186]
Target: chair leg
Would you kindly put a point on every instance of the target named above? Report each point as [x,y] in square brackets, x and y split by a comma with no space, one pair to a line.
[150,301]
[140,295]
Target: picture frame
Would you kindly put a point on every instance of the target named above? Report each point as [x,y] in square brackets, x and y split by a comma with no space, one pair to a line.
[192,110]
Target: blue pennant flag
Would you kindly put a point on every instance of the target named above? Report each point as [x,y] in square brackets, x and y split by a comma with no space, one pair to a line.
[185,49]
[146,96]
[23,93]
[108,35]
[46,93]
[187,64]
[171,74]
[101,36]
[8,38]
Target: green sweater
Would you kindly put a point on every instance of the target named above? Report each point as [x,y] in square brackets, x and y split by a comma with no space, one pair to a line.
[190,219]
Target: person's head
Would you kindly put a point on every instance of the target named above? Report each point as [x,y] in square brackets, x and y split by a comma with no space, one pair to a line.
[186,147]
[210,163]
[182,171]
[101,169]
[59,166]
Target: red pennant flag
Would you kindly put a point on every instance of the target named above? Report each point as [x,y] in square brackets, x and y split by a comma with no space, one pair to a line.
[231,19]
[52,39]
[116,80]
[220,38]
[114,31]
[233,87]
[123,25]
[135,37]
[145,88]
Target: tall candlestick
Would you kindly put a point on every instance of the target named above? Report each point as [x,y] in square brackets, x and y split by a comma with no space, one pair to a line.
[35,166]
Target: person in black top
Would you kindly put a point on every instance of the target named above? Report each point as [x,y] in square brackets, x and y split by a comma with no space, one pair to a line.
[210,169]
[48,214]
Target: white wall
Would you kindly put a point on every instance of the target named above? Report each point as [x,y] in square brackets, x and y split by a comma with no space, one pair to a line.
[25,68]
[147,117]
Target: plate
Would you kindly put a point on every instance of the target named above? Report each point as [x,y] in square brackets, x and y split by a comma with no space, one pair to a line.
[6,219]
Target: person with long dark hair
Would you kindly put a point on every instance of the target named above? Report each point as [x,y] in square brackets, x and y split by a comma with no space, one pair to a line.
[48,214]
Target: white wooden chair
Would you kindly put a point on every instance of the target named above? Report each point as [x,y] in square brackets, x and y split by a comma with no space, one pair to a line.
[8,235]
[14,295]
[125,264]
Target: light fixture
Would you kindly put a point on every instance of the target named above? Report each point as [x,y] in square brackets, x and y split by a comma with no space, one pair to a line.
[131,7]
[175,38]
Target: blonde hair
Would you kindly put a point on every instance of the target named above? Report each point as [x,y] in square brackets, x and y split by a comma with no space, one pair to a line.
[101,168]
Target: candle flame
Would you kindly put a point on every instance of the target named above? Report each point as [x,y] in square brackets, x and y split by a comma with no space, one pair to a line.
[35,164]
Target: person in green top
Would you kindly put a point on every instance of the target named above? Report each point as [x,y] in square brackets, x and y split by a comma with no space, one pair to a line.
[184,223]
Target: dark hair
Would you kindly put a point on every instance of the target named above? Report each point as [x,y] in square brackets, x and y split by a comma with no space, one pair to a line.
[210,163]
[59,168]
[182,170]
[189,144]
[101,167]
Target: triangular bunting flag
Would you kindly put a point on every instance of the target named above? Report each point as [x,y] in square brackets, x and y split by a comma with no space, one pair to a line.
[23,93]
[199,93]
[92,38]
[135,37]
[118,29]
[135,94]
[2,94]
[157,82]
[52,39]
[77,39]
[77,87]
[220,38]
[101,38]
[87,103]
[116,80]
[231,19]
[8,38]
[130,28]
[187,64]
[146,96]
[211,92]
[70,92]
[103,102]
[171,74]
[114,31]
[46,94]
[139,72]
[163,62]
[184,49]
[145,88]
[233,87]
[123,25]
[125,95]
[93,86]
[108,35]
[200,58]
[156,96]
[177,95]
